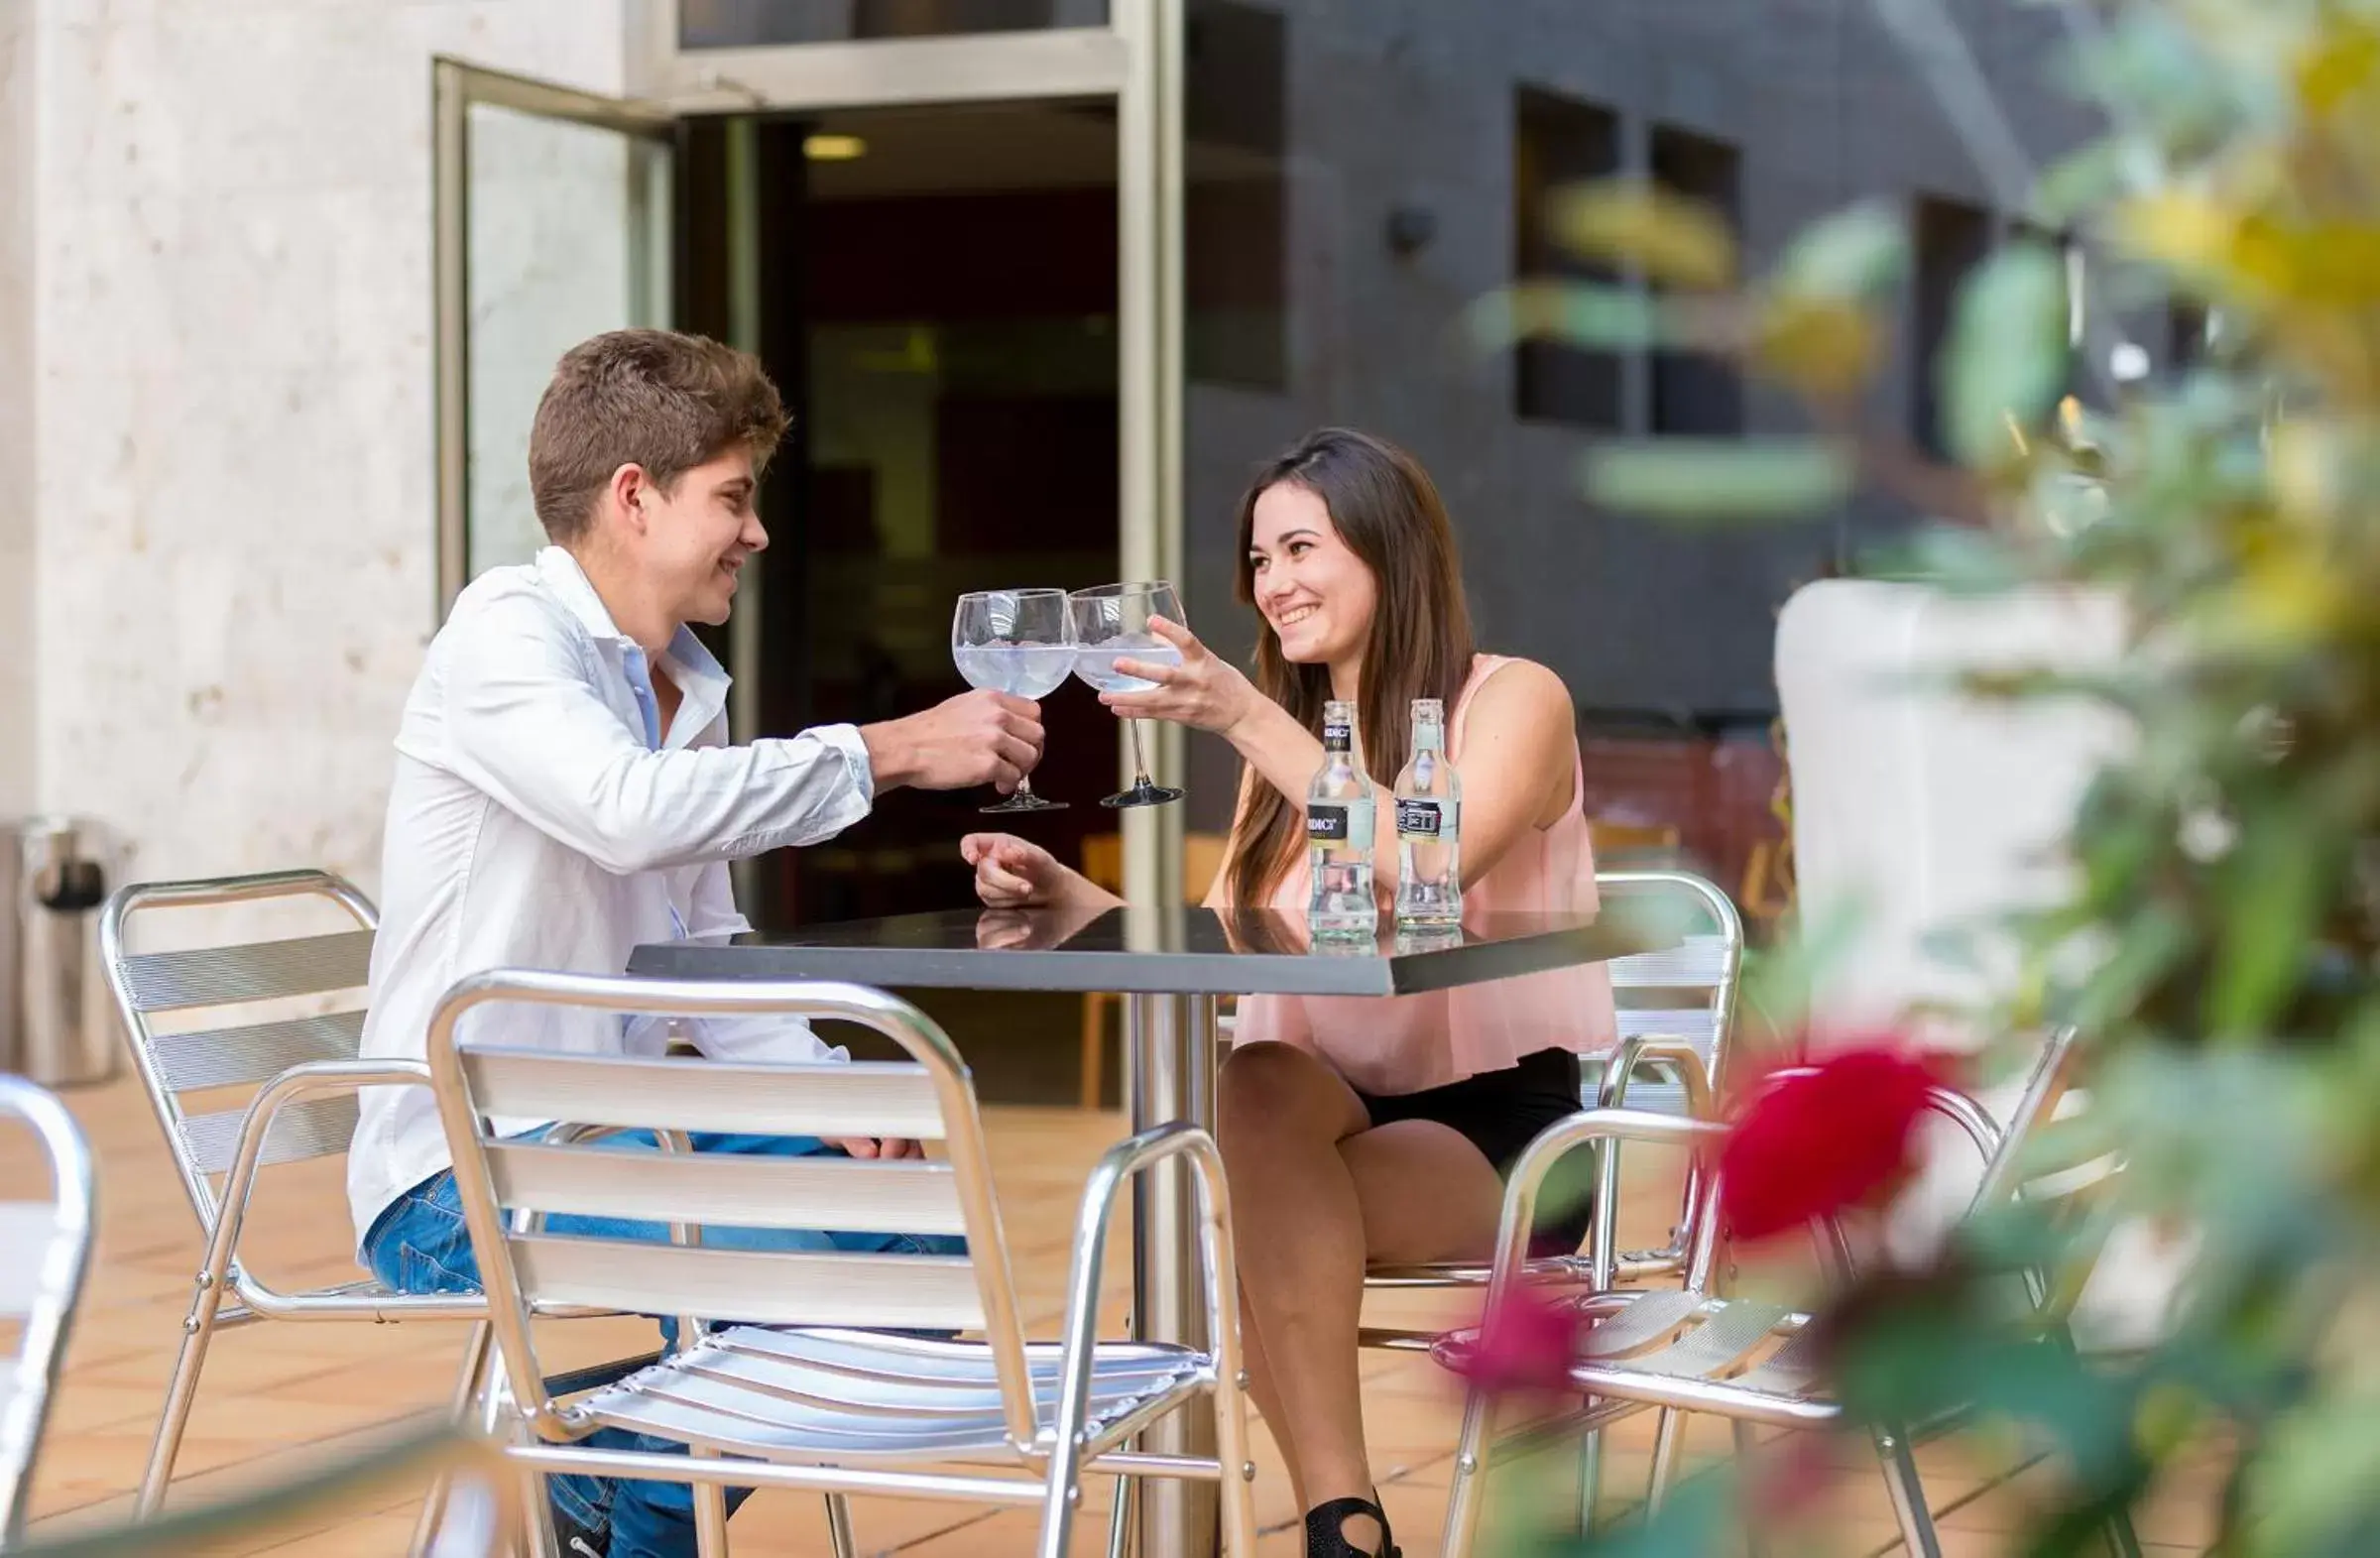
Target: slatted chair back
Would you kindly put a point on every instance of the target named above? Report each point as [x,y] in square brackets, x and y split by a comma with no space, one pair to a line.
[509,1182]
[45,1250]
[209,1025]
[1686,992]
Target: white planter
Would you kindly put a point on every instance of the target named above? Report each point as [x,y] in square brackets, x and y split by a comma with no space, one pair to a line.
[1919,809]
[1915,807]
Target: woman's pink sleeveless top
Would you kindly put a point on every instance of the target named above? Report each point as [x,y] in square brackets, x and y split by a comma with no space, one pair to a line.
[1406,1043]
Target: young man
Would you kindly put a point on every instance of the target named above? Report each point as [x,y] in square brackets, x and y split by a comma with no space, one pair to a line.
[564,791]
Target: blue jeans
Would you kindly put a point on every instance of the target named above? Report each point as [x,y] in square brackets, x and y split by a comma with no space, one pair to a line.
[420,1245]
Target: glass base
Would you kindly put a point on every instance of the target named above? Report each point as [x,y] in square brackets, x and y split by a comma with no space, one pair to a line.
[1143,795]
[1022,800]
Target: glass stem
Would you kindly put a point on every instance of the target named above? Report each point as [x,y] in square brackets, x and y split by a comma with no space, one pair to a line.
[1141,778]
[1024,783]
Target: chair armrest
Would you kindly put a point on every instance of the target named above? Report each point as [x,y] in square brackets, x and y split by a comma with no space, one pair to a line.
[307,1080]
[1682,1059]
[1093,1219]
[1680,1056]
[1529,1171]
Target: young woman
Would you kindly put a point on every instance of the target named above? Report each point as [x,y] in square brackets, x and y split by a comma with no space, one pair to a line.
[1365,1131]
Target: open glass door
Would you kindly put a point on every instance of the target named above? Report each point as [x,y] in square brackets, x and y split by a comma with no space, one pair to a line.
[552,212]
[1018,88]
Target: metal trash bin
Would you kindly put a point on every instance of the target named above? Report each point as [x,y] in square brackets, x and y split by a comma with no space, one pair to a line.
[56,1023]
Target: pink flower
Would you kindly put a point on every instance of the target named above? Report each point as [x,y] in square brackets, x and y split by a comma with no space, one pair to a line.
[1811,1146]
[1525,1342]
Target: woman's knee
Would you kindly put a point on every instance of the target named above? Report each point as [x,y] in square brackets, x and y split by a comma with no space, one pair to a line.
[1269,1088]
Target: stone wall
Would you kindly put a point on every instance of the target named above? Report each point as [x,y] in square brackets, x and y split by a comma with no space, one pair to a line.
[18,682]
[231,504]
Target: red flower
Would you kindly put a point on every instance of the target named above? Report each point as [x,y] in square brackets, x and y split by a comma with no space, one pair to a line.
[1816,1144]
[1525,1342]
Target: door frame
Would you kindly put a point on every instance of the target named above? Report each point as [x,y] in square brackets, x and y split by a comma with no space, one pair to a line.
[1135,61]
[456,86]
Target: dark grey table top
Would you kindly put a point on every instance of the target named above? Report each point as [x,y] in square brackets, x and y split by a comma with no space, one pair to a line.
[1186,951]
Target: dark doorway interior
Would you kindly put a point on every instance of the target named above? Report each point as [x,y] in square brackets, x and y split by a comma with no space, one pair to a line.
[937,301]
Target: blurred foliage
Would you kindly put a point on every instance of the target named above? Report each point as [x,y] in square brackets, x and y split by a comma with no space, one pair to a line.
[2218,946]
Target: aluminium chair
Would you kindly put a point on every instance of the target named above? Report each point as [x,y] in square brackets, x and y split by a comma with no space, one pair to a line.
[192,1017]
[1692,1350]
[44,1253]
[796,1395]
[1676,1013]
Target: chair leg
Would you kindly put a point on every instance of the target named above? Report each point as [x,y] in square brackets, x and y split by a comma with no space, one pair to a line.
[710,1518]
[1591,1473]
[1065,1497]
[470,1379]
[1119,1518]
[498,1421]
[198,1330]
[1909,1510]
[1672,1427]
[1239,1492]
[2122,1540]
[838,1527]
[1467,1483]
[1747,1448]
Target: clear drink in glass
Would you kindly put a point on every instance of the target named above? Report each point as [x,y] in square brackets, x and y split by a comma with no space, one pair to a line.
[1019,642]
[1111,623]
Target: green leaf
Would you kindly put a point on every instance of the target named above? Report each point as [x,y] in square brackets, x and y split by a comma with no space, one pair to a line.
[1958,559]
[1696,1519]
[2272,903]
[1671,238]
[320,1491]
[1859,252]
[2149,948]
[2085,179]
[1586,314]
[1719,478]
[2007,354]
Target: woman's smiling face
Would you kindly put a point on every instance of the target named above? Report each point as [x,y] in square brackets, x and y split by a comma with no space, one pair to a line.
[1315,593]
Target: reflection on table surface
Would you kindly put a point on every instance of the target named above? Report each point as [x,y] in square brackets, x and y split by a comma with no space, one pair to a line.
[1167,949]
[1133,928]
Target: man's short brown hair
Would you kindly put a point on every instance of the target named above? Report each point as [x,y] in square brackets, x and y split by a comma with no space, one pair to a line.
[652,397]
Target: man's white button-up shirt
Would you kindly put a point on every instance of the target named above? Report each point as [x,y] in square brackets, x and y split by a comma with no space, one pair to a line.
[541,818]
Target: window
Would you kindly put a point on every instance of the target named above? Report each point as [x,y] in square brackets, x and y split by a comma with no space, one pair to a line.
[1693,393]
[1952,238]
[1559,141]
[1234,217]
[746,23]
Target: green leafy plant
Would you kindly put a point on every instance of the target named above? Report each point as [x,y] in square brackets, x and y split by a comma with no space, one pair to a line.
[2218,946]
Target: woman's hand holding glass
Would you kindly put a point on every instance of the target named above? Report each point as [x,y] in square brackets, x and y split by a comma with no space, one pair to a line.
[1205,691]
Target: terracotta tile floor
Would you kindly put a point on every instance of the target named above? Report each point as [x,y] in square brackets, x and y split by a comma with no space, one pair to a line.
[276,1395]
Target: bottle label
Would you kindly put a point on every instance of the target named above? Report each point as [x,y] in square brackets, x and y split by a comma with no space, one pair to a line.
[1426,819]
[1338,738]
[1348,825]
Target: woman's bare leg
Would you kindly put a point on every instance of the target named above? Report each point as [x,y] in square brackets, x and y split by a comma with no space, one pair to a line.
[1311,1187]
[1268,1400]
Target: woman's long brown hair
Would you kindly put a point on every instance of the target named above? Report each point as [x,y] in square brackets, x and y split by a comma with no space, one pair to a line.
[1386,509]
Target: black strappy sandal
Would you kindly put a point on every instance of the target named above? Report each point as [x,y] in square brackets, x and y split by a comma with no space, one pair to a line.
[1326,1534]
